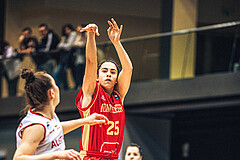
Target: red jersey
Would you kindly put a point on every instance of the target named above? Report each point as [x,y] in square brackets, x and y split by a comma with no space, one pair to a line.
[96,140]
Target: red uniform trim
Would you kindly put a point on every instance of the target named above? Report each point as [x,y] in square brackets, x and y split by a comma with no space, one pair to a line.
[20,131]
[78,99]
[100,155]
[38,114]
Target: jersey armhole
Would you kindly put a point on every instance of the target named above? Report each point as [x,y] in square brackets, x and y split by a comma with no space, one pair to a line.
[20,132]
[79,98]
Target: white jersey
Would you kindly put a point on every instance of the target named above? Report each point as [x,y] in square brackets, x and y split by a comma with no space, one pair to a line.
[53,138]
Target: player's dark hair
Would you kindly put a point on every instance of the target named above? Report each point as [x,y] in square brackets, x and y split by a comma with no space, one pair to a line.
[108,60]
[136,145]
[36,88]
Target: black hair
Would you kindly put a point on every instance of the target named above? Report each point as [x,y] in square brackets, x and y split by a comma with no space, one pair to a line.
[3,45]
[27,29]
[43,25]
[83,25]
[136,145]
[108,60]
[67,26]
[83,34]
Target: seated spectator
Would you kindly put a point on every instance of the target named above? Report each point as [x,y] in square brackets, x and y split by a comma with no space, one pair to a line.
[133,152]
[65,49]
[11,67]
[28,43]
[78,58]
[44,56]
[1,70]
[1,74]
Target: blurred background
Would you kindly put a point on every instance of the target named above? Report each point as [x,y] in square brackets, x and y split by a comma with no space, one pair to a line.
[184,99]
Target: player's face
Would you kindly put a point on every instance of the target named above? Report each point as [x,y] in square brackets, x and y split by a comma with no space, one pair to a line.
[132,153]
[55,88]
[107,77]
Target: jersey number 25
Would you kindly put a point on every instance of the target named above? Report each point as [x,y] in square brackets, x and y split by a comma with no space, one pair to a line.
[113,129]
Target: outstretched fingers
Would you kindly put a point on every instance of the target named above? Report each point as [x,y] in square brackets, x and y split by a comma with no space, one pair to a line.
[114,32]
[120,30]
[111,27]
[115,24]
[109,30]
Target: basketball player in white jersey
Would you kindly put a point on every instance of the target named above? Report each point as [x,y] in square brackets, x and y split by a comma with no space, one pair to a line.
[40,135]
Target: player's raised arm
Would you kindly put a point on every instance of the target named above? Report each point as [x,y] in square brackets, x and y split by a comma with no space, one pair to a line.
[114,33]
[89,80]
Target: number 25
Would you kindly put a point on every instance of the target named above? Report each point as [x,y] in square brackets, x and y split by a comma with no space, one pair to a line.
[113,126]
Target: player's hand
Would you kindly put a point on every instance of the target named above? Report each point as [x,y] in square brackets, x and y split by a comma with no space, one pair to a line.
[114,32]
[97,119]
[91,28]
[69,154]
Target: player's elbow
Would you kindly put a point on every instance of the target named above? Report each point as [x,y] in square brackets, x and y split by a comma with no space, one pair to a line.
[129,70]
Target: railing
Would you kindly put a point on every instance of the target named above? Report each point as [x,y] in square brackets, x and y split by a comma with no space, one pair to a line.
[215,50]
[209,49]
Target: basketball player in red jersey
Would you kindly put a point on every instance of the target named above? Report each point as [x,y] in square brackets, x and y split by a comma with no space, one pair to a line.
[103,91]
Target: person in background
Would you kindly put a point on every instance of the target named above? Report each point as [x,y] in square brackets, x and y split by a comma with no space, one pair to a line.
[65,50]
[1,74]
[40,134]
[11,62]
[1,69]
[78,63]
[44,56]
[133,152]
[28,43]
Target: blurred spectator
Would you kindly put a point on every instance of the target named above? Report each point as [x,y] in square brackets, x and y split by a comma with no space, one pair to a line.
[65,49]
[133,152]
[1,71]
[11,66]
[44,56]
[78,58]
[49,39]
[28,43]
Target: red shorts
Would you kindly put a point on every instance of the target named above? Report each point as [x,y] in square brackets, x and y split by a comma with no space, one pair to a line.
[92,155]
[97,158]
